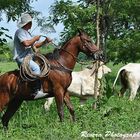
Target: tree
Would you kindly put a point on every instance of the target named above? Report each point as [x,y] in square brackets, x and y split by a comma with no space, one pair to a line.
[13,8]
[73,16]
[119,25]
[124,36]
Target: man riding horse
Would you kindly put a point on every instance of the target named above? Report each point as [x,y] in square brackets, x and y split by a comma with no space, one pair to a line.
[13,91]
[23,44]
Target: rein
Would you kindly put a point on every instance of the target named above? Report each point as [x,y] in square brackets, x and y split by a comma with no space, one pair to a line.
[76,58]
[62,68]
[69,53]
[83,44]
[67,69]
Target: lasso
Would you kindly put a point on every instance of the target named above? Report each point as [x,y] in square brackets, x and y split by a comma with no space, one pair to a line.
[26,72]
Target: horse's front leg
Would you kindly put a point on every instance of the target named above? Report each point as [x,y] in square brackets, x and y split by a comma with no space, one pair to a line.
[59,99]
[69,105]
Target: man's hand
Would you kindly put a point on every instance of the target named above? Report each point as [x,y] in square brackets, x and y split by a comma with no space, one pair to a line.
[48,40]
[37,37]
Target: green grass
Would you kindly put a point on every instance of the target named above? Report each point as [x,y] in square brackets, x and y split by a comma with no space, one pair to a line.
[114,114]
[7,66]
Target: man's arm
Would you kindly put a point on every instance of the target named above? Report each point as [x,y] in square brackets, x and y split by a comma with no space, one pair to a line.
[30,42]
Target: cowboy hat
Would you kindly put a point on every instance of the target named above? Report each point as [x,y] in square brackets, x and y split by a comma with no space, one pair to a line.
[24,19]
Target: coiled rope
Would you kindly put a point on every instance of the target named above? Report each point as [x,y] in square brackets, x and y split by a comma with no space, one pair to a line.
[25,71]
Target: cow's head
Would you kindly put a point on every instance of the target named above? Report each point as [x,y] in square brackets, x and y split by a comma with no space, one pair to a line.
[103,69]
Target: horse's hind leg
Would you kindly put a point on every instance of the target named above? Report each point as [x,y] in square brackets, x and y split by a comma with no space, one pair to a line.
[4,99]
[10,111]
[69,105]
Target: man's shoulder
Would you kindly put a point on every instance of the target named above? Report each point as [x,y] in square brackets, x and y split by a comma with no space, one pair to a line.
[20,30]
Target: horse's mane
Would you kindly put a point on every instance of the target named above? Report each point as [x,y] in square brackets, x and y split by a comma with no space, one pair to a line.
[67,42]
[53,55]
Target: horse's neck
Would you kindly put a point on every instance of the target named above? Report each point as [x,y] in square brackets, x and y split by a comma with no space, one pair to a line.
[70,53]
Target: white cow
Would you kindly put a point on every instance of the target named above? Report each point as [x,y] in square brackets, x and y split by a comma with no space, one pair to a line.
[130,79]
[83,83]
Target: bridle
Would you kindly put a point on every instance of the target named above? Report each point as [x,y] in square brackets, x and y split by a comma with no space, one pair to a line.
[85,43]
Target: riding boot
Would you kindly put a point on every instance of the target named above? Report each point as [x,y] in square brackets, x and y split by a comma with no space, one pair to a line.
[36,89]
[36,86]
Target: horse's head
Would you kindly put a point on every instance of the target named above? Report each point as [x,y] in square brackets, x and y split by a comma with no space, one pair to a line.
[89,48]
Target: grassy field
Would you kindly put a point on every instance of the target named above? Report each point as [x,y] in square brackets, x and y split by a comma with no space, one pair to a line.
[113,116]
[7,66]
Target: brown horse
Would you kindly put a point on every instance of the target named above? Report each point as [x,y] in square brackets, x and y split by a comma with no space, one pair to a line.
[13,90]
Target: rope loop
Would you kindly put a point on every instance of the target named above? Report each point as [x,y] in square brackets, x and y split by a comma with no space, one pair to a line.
[25,71]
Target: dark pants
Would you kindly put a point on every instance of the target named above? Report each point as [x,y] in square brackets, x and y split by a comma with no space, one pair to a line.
[36,85]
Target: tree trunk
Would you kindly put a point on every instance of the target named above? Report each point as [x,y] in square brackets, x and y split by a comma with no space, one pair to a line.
[97,63]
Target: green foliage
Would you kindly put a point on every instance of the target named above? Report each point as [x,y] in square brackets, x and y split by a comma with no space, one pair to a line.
[32,122]
[70,15]
[4,36]
[3,40]
[125,49]
[119,25]
[47,49]
[12,11]
[6,53]
[5,50]
[124,37]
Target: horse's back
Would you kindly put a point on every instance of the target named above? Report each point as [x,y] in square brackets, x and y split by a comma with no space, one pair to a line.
[9,79]
[9,73]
